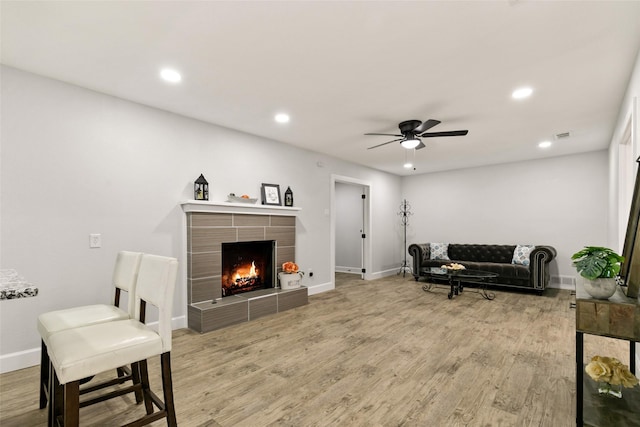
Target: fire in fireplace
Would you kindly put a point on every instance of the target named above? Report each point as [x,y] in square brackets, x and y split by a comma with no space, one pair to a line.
[247,266]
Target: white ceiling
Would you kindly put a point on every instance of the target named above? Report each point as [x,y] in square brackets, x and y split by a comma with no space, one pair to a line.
[342,69]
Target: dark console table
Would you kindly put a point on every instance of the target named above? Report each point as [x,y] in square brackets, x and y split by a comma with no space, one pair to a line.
[618,317]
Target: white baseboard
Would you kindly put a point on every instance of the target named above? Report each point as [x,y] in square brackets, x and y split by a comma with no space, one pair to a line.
[179,322]
[19,360]
[369,276]
[323,287]
[354,270]
[381,274]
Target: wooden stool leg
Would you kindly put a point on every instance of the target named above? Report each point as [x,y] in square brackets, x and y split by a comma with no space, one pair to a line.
[44,375]
[124,371]
[55,398]
[167,388]
[146,389]
[72,404]
[135,378]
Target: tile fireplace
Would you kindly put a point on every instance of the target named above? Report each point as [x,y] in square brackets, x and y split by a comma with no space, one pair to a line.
[216,295]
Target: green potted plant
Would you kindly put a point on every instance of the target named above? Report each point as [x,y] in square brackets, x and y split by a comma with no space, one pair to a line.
[600,267]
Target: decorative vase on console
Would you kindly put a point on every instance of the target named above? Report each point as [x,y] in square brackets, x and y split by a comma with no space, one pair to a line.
[607,389]
[599,267]
[611,375]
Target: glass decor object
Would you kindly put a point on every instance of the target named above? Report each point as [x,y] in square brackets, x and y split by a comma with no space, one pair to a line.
[201,188]
[288,197]
[611,375]
[609,390]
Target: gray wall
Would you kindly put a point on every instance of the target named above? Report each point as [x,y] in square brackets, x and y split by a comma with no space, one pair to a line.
[76,162]
[560,201]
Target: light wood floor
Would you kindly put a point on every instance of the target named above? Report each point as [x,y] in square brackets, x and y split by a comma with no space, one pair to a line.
[378,353]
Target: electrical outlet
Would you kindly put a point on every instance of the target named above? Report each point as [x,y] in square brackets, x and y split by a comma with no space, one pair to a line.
[95,240]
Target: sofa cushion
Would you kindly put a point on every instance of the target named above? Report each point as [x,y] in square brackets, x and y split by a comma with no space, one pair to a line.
[521,254]
[439,251]
[502,270]
[482,253]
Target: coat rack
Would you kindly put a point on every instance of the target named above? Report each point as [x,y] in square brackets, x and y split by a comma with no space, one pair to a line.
[405,213]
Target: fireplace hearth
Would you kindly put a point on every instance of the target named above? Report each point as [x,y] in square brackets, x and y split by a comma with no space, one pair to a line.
[247,266]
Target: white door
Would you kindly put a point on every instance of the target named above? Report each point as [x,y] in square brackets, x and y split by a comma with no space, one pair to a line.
[349,231]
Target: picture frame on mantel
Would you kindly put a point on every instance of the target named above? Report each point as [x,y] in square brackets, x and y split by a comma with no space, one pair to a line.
[271,194]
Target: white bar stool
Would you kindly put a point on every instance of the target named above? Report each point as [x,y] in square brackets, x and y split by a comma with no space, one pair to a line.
[89,350]
[124,278]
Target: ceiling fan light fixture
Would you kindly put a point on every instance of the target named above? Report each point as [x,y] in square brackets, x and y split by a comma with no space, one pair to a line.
[410,142]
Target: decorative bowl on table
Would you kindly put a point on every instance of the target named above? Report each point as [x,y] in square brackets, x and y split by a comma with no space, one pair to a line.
[453,267]
[243,199]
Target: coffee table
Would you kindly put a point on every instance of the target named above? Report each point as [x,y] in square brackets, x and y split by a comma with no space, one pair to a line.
[455,278]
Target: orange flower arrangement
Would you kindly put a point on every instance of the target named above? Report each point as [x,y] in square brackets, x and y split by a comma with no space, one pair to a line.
[290,267]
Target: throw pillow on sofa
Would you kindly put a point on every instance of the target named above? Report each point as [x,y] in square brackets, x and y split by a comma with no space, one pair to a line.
[521,254]
[439,251]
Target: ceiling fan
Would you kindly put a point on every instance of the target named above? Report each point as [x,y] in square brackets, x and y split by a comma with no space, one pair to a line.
[412,129]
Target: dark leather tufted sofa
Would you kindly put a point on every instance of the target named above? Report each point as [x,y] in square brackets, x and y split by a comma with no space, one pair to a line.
[493,258]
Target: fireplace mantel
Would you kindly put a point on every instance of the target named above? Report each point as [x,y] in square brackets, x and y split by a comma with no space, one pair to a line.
[237,208]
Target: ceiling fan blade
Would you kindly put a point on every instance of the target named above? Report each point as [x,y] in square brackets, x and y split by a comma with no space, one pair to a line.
[426,125]
[421,145]
[383,134]
[446,133]
[385,143]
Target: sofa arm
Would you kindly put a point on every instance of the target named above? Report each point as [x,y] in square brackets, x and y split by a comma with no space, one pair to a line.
[539,259]
[419,252]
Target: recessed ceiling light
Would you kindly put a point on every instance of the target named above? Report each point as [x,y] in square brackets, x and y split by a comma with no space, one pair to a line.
[545,144]
[408,165]
[282,118]
[170,75]
[521,93]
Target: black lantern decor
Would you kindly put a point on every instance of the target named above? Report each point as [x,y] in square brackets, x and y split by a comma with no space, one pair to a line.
[288,197]
[201,189]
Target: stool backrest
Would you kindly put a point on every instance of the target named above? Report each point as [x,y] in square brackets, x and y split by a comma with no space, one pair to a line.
[125,275]
[155,285]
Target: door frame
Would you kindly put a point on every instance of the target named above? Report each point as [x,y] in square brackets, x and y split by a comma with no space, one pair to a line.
[366,256]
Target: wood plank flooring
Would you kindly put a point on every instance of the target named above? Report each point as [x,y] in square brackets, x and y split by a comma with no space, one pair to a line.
[377,353]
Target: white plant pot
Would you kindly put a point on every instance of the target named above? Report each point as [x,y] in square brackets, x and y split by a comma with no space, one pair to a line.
[289,280]
[600,288]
